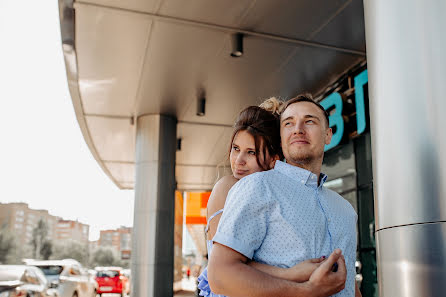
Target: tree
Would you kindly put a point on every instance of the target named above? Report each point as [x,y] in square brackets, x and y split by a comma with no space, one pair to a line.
[70,249]
[42,247]
[46,250]
[7,246]
[105,257]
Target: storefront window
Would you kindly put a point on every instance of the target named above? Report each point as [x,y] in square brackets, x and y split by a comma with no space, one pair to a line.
[339,164]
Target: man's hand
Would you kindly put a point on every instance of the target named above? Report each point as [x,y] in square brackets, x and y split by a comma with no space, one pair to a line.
[325,282]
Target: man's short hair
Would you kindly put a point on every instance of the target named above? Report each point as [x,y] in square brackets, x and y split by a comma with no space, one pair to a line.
[306,97]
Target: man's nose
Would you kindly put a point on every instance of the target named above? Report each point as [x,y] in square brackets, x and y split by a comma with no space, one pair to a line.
[299,128]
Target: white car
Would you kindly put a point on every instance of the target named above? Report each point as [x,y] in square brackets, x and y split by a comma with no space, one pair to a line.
[68,277]
[22,280]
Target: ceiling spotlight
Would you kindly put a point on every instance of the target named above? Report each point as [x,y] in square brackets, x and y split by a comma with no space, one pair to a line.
[237,45]
[201,106]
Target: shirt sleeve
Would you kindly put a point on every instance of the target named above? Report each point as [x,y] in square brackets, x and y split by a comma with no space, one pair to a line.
[243,224]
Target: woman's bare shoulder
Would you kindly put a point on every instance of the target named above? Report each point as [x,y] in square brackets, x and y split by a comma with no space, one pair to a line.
[225,183]
[219,192]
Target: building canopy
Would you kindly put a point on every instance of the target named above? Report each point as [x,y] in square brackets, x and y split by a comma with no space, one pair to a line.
[130,58]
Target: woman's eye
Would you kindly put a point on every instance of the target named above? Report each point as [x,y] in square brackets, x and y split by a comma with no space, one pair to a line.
[287,124]
[310,122]
[235,148]
[252,152]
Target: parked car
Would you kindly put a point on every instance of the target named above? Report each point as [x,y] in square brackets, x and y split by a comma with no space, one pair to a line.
[112,280]
[127,273]
[68,277]
[26,281]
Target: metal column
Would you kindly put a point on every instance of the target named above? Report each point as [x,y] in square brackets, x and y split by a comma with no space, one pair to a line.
[406,54]
[153,228]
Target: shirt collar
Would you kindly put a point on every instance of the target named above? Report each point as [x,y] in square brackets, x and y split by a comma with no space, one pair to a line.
[299,174]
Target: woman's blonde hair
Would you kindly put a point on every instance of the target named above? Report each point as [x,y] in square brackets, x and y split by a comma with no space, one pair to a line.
[272,105]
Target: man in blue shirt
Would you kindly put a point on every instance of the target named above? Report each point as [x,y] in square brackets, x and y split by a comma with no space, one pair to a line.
[284,216]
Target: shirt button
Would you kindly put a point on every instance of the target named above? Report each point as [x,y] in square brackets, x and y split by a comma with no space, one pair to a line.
[302,181]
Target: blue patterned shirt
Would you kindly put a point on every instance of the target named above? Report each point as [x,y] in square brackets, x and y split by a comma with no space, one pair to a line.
[282,216]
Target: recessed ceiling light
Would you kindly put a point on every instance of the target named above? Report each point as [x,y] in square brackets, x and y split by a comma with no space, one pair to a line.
[237,45]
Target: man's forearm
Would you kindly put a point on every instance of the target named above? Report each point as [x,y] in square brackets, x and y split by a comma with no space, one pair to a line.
[239,279]
[229,275]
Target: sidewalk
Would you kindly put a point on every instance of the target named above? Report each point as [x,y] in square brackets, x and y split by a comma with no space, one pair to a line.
[189,286]
[184,294]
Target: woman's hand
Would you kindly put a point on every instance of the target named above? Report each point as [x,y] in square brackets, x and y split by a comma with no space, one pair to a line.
[301,272]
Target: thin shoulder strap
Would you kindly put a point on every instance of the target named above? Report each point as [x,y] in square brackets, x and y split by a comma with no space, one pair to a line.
[211,217]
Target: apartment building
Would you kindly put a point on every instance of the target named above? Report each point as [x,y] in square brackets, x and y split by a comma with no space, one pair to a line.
[20,220]
[73,230]
[119,239]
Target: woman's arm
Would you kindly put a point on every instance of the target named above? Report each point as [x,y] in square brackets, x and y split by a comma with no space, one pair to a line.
[357,292]
[300,272]
[217,201]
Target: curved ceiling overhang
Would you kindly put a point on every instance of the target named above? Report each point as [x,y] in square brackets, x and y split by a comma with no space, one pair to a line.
[126,59]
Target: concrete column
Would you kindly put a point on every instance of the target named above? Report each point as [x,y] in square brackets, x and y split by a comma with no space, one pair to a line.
[406,55]
[153,228]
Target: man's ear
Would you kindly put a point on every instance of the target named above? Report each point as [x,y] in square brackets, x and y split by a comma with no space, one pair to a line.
[328,136]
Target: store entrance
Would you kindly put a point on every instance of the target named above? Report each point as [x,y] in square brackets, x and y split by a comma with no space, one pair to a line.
[349,170]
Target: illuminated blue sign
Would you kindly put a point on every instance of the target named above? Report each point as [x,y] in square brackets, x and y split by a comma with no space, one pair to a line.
[336,120]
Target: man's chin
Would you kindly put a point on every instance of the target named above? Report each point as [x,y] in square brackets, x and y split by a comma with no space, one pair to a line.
[302,158]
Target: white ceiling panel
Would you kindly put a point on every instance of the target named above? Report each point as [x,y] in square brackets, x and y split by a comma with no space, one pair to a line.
[345,34]
[203,144]
[127,186]
[294,19]
[196,177]
[186,62]
[238,83]
[208,11]
[123,172]
[114,139]
[176,68]
[150,6]
[110,48]
[303,73]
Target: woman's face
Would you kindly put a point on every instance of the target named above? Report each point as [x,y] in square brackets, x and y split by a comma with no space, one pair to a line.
[243,156]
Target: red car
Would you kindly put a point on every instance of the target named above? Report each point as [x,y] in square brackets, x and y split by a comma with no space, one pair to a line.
[111,280]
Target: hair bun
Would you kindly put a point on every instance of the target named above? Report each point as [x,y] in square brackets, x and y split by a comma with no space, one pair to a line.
[272,105]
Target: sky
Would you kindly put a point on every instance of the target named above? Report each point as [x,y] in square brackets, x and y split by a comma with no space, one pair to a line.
[44,160]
